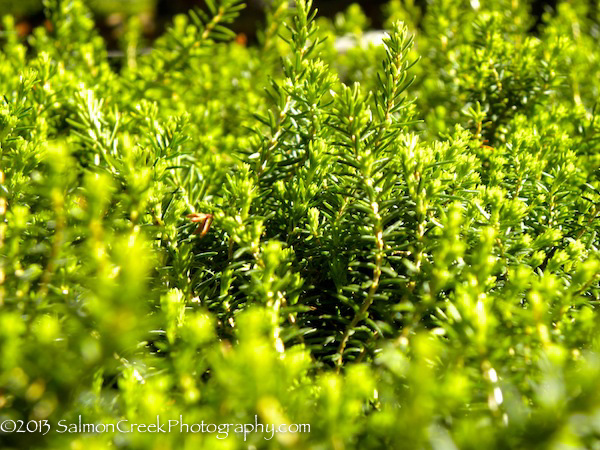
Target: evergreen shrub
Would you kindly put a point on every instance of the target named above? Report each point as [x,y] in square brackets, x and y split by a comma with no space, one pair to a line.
[396,244]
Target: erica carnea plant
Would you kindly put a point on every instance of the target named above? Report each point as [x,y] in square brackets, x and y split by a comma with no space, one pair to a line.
[395,243]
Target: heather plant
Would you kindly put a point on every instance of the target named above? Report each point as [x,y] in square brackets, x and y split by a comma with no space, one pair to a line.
[396,243]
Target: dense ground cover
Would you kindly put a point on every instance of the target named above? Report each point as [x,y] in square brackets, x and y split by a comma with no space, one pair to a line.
[396,244]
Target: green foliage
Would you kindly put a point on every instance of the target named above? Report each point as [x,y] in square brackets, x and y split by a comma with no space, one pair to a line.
[397,245]
[24,8]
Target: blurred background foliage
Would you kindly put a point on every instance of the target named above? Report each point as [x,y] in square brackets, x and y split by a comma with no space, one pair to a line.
[156,15]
